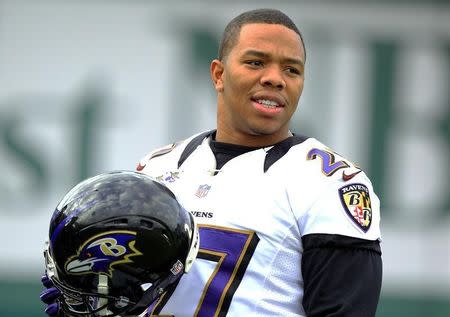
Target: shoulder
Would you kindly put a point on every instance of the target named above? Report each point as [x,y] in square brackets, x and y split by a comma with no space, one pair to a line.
[171,154]
[330,193]
[320,161]
[299,152]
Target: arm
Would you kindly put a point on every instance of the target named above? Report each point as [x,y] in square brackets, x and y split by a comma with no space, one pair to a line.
[342,275]
[340,229]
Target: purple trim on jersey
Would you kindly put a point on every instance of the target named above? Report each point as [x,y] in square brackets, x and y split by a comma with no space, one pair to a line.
[149,311]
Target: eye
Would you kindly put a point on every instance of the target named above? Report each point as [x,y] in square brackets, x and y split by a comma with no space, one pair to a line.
[293,70]
[254,63]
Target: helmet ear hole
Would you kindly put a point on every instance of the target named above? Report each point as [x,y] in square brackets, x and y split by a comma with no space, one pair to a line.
[146,223]
[120,221]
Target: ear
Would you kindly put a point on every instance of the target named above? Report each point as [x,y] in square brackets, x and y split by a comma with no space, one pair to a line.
[216,71]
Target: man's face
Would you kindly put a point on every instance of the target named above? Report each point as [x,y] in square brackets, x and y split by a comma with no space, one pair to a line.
[259,85]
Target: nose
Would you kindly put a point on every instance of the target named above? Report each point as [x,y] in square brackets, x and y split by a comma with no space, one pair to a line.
[273,77]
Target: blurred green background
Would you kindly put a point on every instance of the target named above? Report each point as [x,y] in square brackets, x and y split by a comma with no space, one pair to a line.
[92,86]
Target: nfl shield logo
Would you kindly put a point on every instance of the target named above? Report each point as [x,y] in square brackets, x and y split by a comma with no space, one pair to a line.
[202,190]
[177,268]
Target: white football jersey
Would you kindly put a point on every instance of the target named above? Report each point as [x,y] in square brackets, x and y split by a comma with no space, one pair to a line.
[252,214]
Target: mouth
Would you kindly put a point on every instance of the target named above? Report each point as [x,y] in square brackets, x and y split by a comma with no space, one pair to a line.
[268,103]
[268,99]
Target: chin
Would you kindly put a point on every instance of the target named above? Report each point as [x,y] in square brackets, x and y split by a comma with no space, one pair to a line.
[264,130]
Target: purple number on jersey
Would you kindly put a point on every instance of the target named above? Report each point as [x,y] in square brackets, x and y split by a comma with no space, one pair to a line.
[329,166]
[232,249]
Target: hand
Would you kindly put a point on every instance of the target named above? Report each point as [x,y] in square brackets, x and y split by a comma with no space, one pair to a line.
[50,297]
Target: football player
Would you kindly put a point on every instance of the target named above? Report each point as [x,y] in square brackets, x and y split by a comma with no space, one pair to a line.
[287,226]
[117,241]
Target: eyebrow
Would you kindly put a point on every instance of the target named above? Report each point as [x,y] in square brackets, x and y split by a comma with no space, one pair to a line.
[289,60]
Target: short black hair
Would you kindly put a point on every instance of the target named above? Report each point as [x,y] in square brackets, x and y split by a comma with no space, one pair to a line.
[267,16]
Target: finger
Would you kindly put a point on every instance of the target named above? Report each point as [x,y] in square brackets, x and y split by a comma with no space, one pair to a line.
[49,295]
[46,281]
[53,310]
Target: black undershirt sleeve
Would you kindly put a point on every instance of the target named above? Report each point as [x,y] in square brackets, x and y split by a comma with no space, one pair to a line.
[342,276]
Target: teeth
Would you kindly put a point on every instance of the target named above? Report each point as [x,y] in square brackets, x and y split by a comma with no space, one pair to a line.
[267,103]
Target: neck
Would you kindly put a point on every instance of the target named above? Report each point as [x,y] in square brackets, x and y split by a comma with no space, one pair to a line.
[251,140]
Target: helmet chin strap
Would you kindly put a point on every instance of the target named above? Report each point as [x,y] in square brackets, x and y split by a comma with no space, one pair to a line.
[153,293]
[102,288]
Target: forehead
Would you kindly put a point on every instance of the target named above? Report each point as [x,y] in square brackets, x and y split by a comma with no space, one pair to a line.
[261,36]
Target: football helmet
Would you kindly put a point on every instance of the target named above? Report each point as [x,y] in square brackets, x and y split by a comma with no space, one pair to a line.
[117,241]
